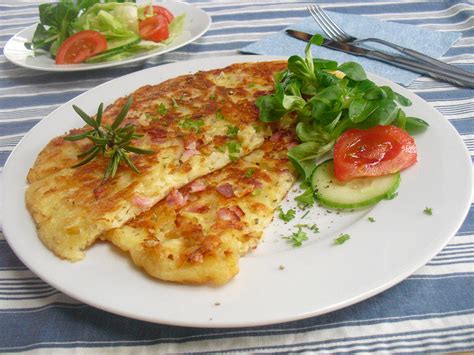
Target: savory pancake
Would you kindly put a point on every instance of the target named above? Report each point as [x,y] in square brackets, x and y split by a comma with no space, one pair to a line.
[195,124]
[198,233]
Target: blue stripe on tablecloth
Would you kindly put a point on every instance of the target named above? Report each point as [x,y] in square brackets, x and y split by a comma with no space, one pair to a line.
[438,292]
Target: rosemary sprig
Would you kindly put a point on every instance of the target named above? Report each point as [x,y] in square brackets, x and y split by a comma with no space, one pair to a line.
[111,141]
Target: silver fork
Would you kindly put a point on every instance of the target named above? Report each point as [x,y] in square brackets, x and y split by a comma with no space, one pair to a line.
[336,33]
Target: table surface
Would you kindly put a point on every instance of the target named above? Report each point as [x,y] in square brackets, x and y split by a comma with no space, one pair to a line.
[432,310]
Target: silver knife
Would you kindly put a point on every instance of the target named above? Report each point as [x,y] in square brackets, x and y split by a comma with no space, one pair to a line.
[408,64]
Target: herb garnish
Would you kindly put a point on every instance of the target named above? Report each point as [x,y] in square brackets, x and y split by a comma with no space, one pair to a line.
[288,216]
[371,219]
[111,141]
[233,147]
[219,115]
[249,172]
[232,131]
[190,124]
[342,239]
[298,237]
[162,110]
[306,198]
[313,227]
[428,211]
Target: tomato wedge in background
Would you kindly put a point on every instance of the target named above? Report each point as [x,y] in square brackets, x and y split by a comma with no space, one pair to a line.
[160,10]
[154,28]
[80,46]
[376,151]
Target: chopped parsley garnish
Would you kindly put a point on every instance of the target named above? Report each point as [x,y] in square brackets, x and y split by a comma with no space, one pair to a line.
[212,96]
[256,192]
[162,110]
[175,104]
[233,147]
[190,124]
[232,131]
[250,85]
[288,216]
[306,198]
[219,115]
[305,214]
[298,237]
[428,211]
[371,219]
[249,172]
[313,227]
[342,239]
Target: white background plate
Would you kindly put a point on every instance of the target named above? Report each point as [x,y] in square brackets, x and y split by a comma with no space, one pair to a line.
[197,23]
[318,277]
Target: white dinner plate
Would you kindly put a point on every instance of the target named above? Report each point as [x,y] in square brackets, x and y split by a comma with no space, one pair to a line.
[277,282]
[197,22]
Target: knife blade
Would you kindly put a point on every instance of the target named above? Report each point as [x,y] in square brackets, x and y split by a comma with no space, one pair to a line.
[400,62]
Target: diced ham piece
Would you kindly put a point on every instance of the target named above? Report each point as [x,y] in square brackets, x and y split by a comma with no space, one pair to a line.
[187,154]
[198,209]
[196,186]
[230,214]
[142,201]
[225,190]
[238,211]
[292,145]
[176,199]
[157,135]
[256,183]
[189,151]
[276,136]
[190,145]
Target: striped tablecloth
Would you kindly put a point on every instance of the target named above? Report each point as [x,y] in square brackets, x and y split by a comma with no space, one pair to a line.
[432,310]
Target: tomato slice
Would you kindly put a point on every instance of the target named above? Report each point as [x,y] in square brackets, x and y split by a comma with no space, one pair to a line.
[160,10]
[376,151]
[80,46]
[154,28]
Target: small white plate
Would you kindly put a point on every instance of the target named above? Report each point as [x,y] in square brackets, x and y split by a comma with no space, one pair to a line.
[197,22]
[317,278]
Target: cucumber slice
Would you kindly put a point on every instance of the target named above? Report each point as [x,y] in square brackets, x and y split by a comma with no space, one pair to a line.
[114,47]
[355,193]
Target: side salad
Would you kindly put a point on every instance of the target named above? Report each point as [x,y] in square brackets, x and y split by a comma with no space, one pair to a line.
[94,31]
[337,108]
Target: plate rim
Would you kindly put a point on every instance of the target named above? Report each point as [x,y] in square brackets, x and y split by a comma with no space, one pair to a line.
[106,65]
[226,324]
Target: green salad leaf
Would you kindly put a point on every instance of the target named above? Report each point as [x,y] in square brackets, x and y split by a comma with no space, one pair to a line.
[112,19]
[58,22]
[328,98]
[175,28]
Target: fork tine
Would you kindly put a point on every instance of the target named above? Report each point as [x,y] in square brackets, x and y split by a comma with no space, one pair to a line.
[316,18]
[327,29]
[341,35]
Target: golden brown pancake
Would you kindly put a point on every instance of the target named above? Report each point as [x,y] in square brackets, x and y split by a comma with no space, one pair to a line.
[198,233]
[189,122]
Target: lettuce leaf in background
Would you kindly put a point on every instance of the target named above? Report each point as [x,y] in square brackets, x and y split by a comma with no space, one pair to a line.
[57,22]
[113,20]
[175,29]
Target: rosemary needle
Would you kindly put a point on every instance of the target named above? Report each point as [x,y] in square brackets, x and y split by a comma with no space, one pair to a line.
[111,141]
